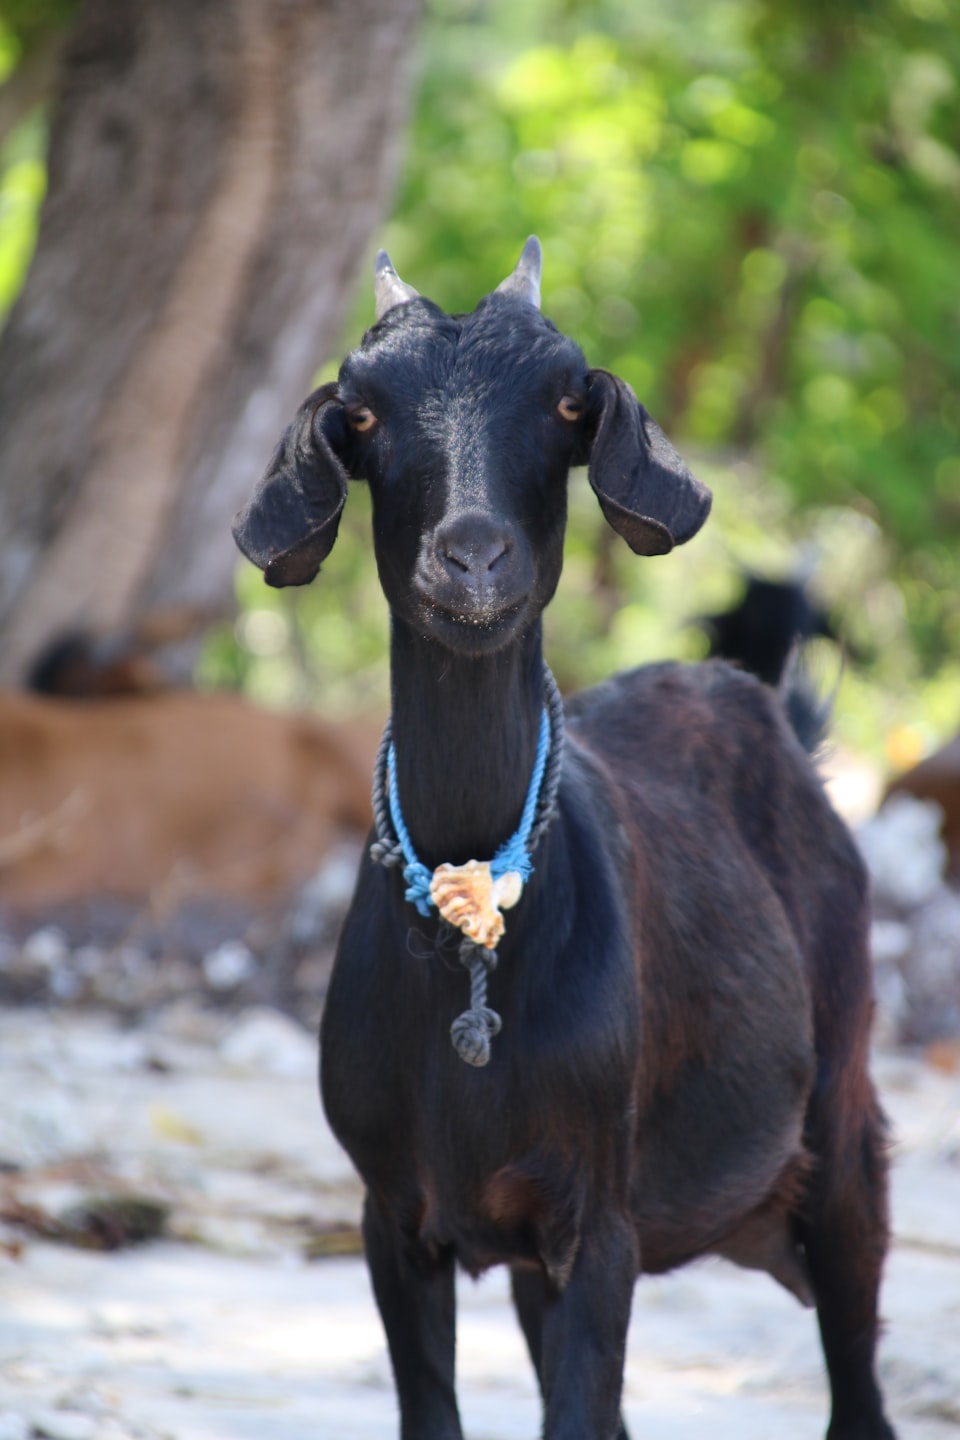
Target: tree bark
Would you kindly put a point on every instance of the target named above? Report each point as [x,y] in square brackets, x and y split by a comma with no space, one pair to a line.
[216,171]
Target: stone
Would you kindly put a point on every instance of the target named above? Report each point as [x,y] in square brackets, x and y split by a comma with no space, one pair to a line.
[229,965]
[903,851]
[46,948]
[265,1040]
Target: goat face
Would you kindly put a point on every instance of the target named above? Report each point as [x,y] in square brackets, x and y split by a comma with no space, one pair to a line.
[465,427]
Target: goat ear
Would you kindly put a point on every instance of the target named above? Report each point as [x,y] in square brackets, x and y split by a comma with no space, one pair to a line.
[290,523]
[645,490]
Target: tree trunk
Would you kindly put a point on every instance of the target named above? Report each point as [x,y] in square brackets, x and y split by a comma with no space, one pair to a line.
[216,171]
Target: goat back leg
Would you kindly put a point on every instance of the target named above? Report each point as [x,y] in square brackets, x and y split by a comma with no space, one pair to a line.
[583,1335]
[416,1296]
[529,1289]
[843,1229]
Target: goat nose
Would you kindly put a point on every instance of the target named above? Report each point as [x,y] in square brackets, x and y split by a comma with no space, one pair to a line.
[471,546]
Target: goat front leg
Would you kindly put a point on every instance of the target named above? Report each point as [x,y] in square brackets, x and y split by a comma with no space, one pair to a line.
[583,1335]
[416,1296]
[529,1298]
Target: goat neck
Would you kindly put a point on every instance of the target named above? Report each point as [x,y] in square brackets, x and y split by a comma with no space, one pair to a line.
[465,730]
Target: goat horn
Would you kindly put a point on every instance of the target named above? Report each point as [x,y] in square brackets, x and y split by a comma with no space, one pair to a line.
[388,288]
[525,279]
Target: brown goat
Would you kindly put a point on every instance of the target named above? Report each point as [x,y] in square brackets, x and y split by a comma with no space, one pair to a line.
[938,778]
[130,796]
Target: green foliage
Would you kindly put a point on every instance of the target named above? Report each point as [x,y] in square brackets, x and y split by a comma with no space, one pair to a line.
[753,219]
[750,211]
[24,27]
[324,645]
[25,22]
[23,182]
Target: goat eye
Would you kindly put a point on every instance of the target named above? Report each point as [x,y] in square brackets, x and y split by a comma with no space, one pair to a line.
[570,408]
[361,419]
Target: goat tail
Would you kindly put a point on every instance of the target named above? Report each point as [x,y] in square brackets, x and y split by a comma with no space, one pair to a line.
[807,708]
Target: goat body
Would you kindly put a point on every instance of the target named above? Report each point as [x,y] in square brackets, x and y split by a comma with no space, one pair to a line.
[684,985]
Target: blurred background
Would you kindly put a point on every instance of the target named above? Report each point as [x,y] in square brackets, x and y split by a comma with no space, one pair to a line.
[749,210]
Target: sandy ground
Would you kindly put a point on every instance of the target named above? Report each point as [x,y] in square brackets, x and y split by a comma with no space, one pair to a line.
[225,1330]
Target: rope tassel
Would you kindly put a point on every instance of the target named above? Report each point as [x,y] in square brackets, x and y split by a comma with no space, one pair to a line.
[472,1031]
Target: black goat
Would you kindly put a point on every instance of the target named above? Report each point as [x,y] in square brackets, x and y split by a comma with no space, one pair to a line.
[762,630]
[684,986]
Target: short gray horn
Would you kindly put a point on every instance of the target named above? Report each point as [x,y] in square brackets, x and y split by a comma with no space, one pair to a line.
[388,288]
[525,279]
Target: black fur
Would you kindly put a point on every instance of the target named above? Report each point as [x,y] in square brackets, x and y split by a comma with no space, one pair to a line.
[684,985]
[766,625]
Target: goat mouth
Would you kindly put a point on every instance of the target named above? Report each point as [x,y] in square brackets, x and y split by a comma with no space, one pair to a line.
[484,627]
[480,618]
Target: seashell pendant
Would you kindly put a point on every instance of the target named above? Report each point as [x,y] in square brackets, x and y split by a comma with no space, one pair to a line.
[468,897]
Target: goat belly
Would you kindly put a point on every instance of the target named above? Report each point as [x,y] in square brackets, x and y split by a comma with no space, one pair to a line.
[521,1213]
[729,1066]
[740,1213]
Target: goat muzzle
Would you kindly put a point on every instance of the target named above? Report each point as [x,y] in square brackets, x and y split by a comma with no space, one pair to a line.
[475,571]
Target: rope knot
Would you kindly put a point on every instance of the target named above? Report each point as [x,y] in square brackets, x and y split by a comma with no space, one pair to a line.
[472,1031]
[470,953]
[385,854]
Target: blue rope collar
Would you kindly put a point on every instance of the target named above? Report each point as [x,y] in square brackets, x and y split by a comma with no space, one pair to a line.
[513,854]
[469,897]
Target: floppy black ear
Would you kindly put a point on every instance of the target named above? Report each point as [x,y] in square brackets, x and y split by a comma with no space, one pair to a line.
[645,490]
[290,523]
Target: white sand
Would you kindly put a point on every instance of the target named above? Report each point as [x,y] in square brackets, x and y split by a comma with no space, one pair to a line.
[233,1336]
